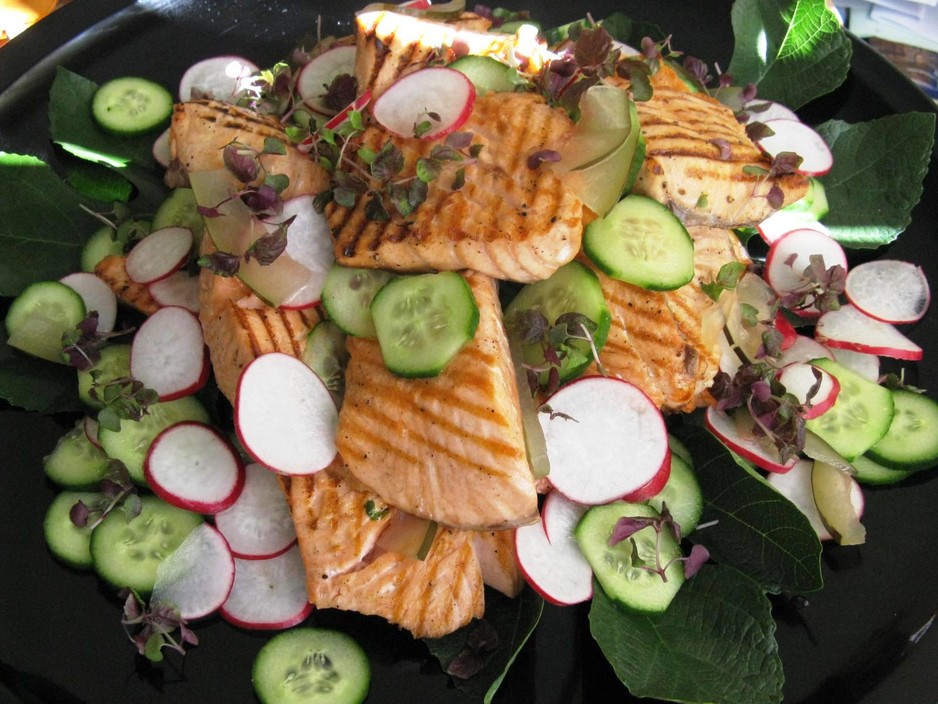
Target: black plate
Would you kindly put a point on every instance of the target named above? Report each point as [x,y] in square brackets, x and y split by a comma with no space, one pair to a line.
[864,638]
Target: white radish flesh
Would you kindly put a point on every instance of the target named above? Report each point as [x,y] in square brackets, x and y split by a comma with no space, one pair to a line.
[258,524]
[795,136]
[218,77]
[889,290]
[441,97]
[285,416]
[790,255]
[798,379]
[314,78]
[848,328]
[782,222]
[162,152]
[763,110]
[178,289]
[191,466]
[168,353]
[555,569]
[605,438]
[268,594]
[738,437]
[804,349]
[159,254]
[866,365]
[97,296]
[197,577]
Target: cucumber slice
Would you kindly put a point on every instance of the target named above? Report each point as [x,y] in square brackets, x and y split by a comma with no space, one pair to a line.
[127,553]
[423,321]
[179,209]
[131,442]
[488,75]
[75,463]
[860,416]
[875,474]
[131,105]
[40,316]
[347,294]
[114,364]
[106,241]
[68,542]
[641,242]
[313,666]
[682,495]
[911,442]
[619,568]
[573,288]
[326,355]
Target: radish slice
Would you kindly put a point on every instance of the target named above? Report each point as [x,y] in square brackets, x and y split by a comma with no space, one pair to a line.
[654,485]
[796,486]
[309,242]
[764,110]
[314,79]
[190,465]
[782,222]
[197,577]
[795,136]
[268,594]
[97,296]
[357,105]
[866,365]
[787,331]
[738,436]
[168,353]
[889,290]
[849,329]
[91,431]
[159,254]
[804,349]
[554,567]
[605,438]
[218,77]
[178,289]
[789,256]
[798,379]
[162,153]
[441,96]
[258,524]
[285,416]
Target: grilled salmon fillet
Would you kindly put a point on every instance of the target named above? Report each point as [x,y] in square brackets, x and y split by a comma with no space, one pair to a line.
[429,597]
[696,158]
[238,326]
[667,342]
[508,221]
[111,270]
[449,448]
[201,129]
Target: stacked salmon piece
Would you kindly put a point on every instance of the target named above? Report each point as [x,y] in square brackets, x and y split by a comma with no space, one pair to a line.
[449,450]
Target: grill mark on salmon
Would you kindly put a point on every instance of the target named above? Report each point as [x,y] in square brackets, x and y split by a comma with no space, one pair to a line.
[111,270]
[667,342]
[696,158]
[508,221]
[201,129]
[449,448]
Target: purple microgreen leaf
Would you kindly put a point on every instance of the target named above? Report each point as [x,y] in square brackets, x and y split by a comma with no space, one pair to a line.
[726,151]
[541,156]
[241,162]
[220,263]
[340,92]
[697,559]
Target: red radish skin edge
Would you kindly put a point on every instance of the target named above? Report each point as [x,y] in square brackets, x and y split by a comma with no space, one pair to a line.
[402,92]
[303,610]
[654,486]
[859,340]
[193,382]
[795,136]
[868,303]
[156,483]
[729,437]
[359,104]
[818,406]
[139,264]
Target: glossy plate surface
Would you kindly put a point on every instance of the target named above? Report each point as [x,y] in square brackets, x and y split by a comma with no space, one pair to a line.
[864,638]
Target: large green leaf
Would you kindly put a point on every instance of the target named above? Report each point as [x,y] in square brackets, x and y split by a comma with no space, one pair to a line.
[35,384]
[793,50]
[715,643]
[514,620]
[754,528]
[879,168]
[42,226]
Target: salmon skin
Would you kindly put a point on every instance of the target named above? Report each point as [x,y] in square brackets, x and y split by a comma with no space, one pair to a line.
[201,129]
[508,221]
[449,448]
[337,538]
[698,159]
[667,342]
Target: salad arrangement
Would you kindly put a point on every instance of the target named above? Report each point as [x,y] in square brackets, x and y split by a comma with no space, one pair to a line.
[804,575]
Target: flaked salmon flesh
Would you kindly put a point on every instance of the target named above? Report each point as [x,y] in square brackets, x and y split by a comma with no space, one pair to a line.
[449,448]
[509,221]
